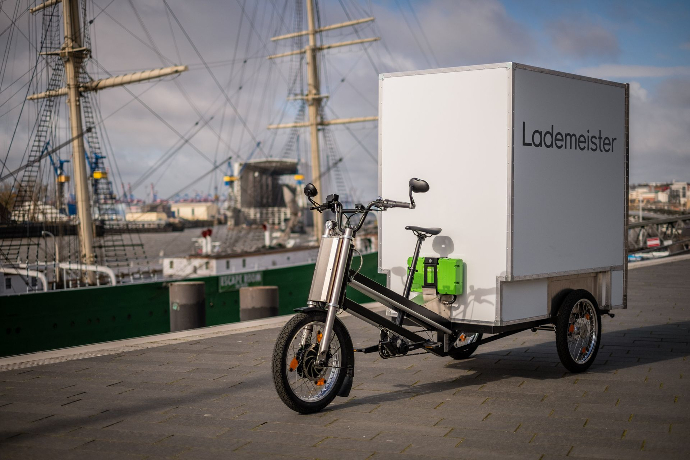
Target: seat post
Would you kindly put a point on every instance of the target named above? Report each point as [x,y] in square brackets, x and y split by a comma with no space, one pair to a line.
[410,275]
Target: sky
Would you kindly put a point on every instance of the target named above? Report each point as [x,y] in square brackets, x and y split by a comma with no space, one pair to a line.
[221,106]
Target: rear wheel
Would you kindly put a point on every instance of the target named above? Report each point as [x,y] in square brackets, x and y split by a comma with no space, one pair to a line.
[471,339]
[578,331]
[302,384]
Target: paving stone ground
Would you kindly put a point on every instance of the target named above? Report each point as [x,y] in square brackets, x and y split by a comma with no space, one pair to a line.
[214,398]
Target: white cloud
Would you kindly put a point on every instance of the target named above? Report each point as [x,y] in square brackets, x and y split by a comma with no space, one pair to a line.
[633,71]
[583,37]
[659,135]
[459,32]
[637,92]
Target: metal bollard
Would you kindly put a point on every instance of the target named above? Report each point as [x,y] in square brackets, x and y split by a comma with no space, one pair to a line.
[258,302]
[187,305]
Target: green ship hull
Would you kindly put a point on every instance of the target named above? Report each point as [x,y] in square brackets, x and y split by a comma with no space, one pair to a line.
[58,319]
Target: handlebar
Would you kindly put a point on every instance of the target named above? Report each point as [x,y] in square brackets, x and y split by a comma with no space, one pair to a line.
[396,204]
[337,207]
[320,207]
[332,203]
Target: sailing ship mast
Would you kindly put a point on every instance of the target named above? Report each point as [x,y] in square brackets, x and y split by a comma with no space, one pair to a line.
[314,96]
[73,53]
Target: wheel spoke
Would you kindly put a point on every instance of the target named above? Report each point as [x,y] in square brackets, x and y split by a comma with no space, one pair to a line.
[582,331]
[307,375]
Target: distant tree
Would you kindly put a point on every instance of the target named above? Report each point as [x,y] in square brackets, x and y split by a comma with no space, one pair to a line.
[7,197]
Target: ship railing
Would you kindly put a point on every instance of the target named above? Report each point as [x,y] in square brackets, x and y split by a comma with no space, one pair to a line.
[89,268]
[65,266]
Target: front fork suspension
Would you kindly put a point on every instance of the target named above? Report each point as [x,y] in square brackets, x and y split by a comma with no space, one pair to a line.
[334,294]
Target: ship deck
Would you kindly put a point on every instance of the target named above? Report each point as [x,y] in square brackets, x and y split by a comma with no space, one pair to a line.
[209,394]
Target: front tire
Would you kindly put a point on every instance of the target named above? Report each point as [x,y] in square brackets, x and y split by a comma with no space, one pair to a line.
[578,331]
[301,384]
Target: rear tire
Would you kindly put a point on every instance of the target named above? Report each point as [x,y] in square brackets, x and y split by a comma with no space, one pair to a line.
[301,384]
[469,339]
[578,331]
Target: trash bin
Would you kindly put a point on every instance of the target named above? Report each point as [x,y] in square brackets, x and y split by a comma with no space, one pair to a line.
[258,302]
[187,305]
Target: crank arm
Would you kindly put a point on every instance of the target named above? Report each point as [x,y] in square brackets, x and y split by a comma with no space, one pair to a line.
[426,345]
[371,349]
[413,346]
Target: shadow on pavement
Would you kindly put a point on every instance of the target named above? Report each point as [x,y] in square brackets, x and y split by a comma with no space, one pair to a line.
[545,368]
[673,333]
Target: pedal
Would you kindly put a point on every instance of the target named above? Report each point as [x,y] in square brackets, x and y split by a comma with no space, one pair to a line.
[371,349]
[392,345]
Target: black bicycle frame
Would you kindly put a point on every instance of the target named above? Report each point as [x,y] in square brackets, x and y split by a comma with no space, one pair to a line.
[332,296]
[421,316]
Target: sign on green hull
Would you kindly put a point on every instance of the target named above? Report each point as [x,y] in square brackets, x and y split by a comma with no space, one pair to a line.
[234,282]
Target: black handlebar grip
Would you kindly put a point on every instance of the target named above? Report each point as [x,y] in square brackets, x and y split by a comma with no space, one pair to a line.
[397,204]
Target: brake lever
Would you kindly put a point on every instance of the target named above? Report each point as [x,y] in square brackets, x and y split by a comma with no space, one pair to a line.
[316,206]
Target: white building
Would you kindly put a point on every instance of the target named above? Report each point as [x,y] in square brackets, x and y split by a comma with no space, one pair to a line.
[649,195]
[195,211]
[679,193]
[145,216]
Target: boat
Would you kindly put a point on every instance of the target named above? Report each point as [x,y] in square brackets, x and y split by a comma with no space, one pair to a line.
[74,271]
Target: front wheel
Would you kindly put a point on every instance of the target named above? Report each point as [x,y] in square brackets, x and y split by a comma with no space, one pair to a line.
[578,331]
[302,384]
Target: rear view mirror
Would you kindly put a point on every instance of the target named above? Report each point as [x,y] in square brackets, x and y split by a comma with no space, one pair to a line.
[418,186]
[310,191]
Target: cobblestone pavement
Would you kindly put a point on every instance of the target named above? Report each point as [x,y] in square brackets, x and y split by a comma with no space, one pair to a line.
[214,398]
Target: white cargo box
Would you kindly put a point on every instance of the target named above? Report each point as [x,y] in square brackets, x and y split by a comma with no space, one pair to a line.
[528,176]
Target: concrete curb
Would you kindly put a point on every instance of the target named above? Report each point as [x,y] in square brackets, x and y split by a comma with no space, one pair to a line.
[151,341]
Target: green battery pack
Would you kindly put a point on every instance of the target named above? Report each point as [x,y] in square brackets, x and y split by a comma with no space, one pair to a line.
[442,273]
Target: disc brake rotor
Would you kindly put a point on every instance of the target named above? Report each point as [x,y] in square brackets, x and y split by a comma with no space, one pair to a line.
[309,380]
[582,328]
[305,363]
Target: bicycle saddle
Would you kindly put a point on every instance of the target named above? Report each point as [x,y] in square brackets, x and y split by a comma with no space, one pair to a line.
[428,231]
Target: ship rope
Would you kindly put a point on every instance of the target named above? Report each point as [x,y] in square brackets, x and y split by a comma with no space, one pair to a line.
[248,76]
[27,194]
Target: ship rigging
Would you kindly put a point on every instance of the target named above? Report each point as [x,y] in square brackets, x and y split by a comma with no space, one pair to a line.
[65,188]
